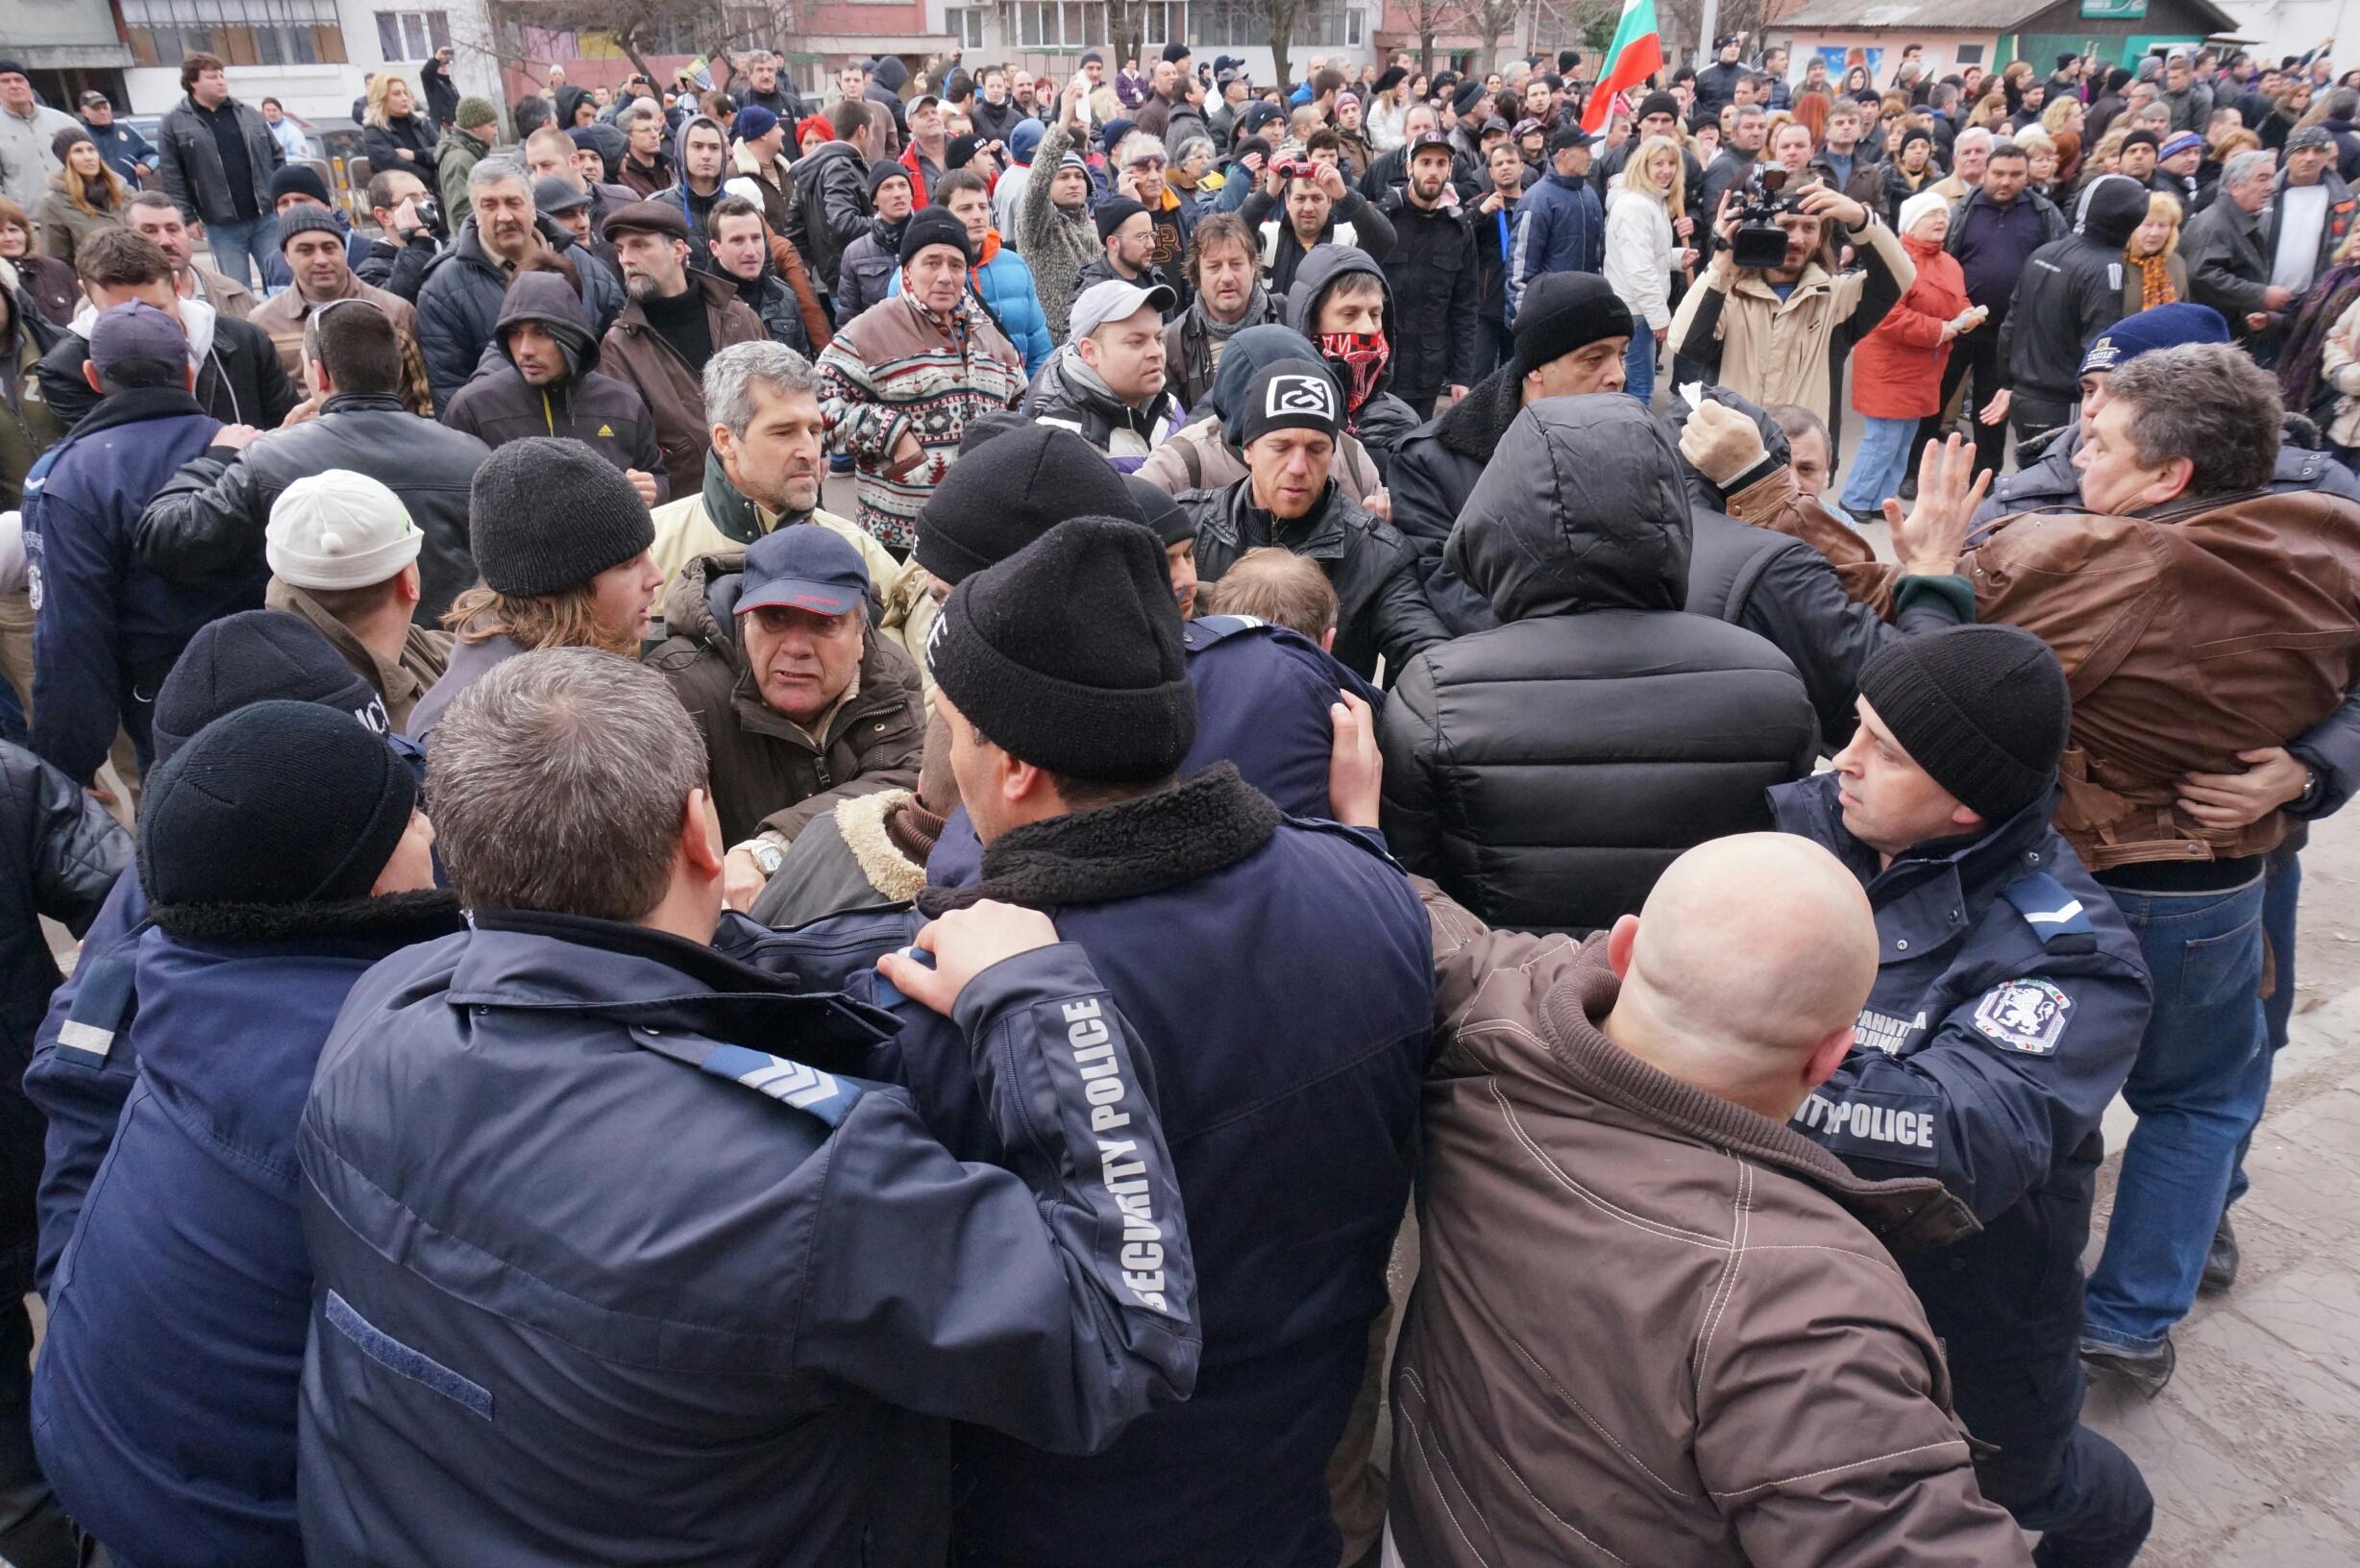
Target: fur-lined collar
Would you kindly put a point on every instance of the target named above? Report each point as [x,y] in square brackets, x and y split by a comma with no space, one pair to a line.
[1126,850]
[861,822]
[415,917]
[1474,426]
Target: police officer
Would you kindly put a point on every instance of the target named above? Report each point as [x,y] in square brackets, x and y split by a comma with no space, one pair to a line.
[2009,1003]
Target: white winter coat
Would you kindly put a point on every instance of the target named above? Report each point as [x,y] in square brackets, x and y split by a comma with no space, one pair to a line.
[1640,254]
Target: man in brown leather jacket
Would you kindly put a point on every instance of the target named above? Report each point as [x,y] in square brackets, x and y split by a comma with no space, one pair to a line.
[2199,617]
[1653,1324]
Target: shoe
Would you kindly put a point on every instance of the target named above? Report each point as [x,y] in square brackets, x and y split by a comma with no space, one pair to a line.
[2222,1258]
[2145,1370]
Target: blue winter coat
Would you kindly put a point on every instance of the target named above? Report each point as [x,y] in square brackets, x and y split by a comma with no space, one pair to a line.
[163,1403]
[1559,228]
[1286,999]
[1263,694]
[597,1283]
[1005,285]
[2009,1003]
[107,627]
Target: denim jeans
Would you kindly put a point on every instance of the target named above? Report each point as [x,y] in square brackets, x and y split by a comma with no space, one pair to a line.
[234,244]
[2197,1087]
[2281,893]
[1639,363]
[1881,464]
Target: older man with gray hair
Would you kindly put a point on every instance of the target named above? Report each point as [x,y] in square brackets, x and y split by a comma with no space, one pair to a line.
[459,302]
[2229,264]
[740,1291]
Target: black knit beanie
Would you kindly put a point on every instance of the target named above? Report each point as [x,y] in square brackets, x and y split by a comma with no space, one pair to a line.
[1286,395]
[1562,311]
[1114,214]
[1008,492]
[1069,655]
[882,170]
[250,657]
[934,226]
[275,803]
[1983,709]
[1658,103]
[1164,515]
[548,514]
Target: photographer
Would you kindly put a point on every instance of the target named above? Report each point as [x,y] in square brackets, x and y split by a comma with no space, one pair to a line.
[1319,209]
[1778,332]
[406,217]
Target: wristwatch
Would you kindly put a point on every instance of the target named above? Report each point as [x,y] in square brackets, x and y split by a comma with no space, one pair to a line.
[768,856]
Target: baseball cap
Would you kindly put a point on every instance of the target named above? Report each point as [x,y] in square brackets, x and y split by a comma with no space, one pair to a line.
[922,99]
[2160,327]
[1113,300]
[136,330]
[1429,139]
[338,529]
[1569,135]
[803,566]
[556,195]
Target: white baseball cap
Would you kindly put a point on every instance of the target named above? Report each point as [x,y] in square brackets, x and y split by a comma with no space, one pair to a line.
[339,529]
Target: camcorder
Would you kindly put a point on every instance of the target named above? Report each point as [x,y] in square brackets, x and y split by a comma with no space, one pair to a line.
[1297,168]
[1760,243]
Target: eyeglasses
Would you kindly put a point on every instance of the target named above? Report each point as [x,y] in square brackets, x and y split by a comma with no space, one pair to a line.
[1146,163]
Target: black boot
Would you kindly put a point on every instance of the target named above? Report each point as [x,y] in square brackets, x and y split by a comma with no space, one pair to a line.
[2222,1258]
[2146,1371]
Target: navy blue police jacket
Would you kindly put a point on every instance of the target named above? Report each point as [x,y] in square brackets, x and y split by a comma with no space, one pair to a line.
[2009,1003]
[164,1402]
[1263,694]
[84,1059]
[611,1281]
[1281,979]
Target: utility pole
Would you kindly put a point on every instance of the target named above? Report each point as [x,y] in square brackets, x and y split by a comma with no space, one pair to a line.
[1708,22]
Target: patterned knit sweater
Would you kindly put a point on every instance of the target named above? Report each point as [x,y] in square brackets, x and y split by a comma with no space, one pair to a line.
[897,369]
[1056,244]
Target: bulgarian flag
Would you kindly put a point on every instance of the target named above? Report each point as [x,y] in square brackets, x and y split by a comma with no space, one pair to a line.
[1635,54]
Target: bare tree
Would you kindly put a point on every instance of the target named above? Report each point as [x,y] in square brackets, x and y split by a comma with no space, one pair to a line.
[637,25]
[1280,15]
[1491,20]
[1432,18]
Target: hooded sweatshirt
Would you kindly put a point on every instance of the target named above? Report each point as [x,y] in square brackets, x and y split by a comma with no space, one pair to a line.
[694,205]
[1200,457]
[2071,291]
[1363,368]
[240,377]
[498,405]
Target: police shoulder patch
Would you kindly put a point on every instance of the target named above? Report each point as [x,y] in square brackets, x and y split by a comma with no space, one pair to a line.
[2027,1016]
[2054,915]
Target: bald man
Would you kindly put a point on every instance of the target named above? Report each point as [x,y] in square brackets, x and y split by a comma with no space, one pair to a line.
[2009,1005]
[1650,1315]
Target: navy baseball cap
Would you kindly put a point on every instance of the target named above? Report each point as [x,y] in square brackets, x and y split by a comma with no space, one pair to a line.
[803,566]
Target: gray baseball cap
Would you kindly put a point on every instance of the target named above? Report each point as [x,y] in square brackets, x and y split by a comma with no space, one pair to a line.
[1113,300]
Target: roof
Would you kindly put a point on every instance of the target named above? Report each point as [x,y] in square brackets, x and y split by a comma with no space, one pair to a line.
[1952,15]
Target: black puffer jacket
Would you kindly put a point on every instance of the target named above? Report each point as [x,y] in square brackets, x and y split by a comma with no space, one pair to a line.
[773,303]
[2072,289]
[1547,772]
[1379,607]
[209,517]
[240,381]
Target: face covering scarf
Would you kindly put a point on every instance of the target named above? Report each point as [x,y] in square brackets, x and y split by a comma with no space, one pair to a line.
[1363,355]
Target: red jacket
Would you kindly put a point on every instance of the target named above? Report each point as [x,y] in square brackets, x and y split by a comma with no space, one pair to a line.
[1897,370]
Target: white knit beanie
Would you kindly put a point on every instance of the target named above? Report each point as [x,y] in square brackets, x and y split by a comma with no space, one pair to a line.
[339,529]
[1917,206]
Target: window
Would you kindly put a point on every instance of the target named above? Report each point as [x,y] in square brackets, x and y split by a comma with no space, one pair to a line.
[1060,24]
[1325,22]
[965,25]
[241,32]
[411,35]
[1970,54]
[1161,22]
[1228,22]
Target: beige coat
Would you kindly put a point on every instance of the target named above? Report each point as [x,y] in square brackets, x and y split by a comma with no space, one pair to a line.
[424,653]
[1774,351]
[1652,1325]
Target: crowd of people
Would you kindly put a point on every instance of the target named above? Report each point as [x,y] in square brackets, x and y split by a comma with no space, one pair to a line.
[1362,813]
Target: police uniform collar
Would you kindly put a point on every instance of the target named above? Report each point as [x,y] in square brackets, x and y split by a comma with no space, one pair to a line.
[533,959]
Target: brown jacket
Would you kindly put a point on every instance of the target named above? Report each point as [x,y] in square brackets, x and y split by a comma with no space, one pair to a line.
[425,653]
[284,314]
[633,350]
[1652,1325]
[2203,629]
[768,774]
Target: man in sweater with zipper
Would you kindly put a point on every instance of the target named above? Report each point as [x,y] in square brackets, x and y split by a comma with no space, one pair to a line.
[551,386]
